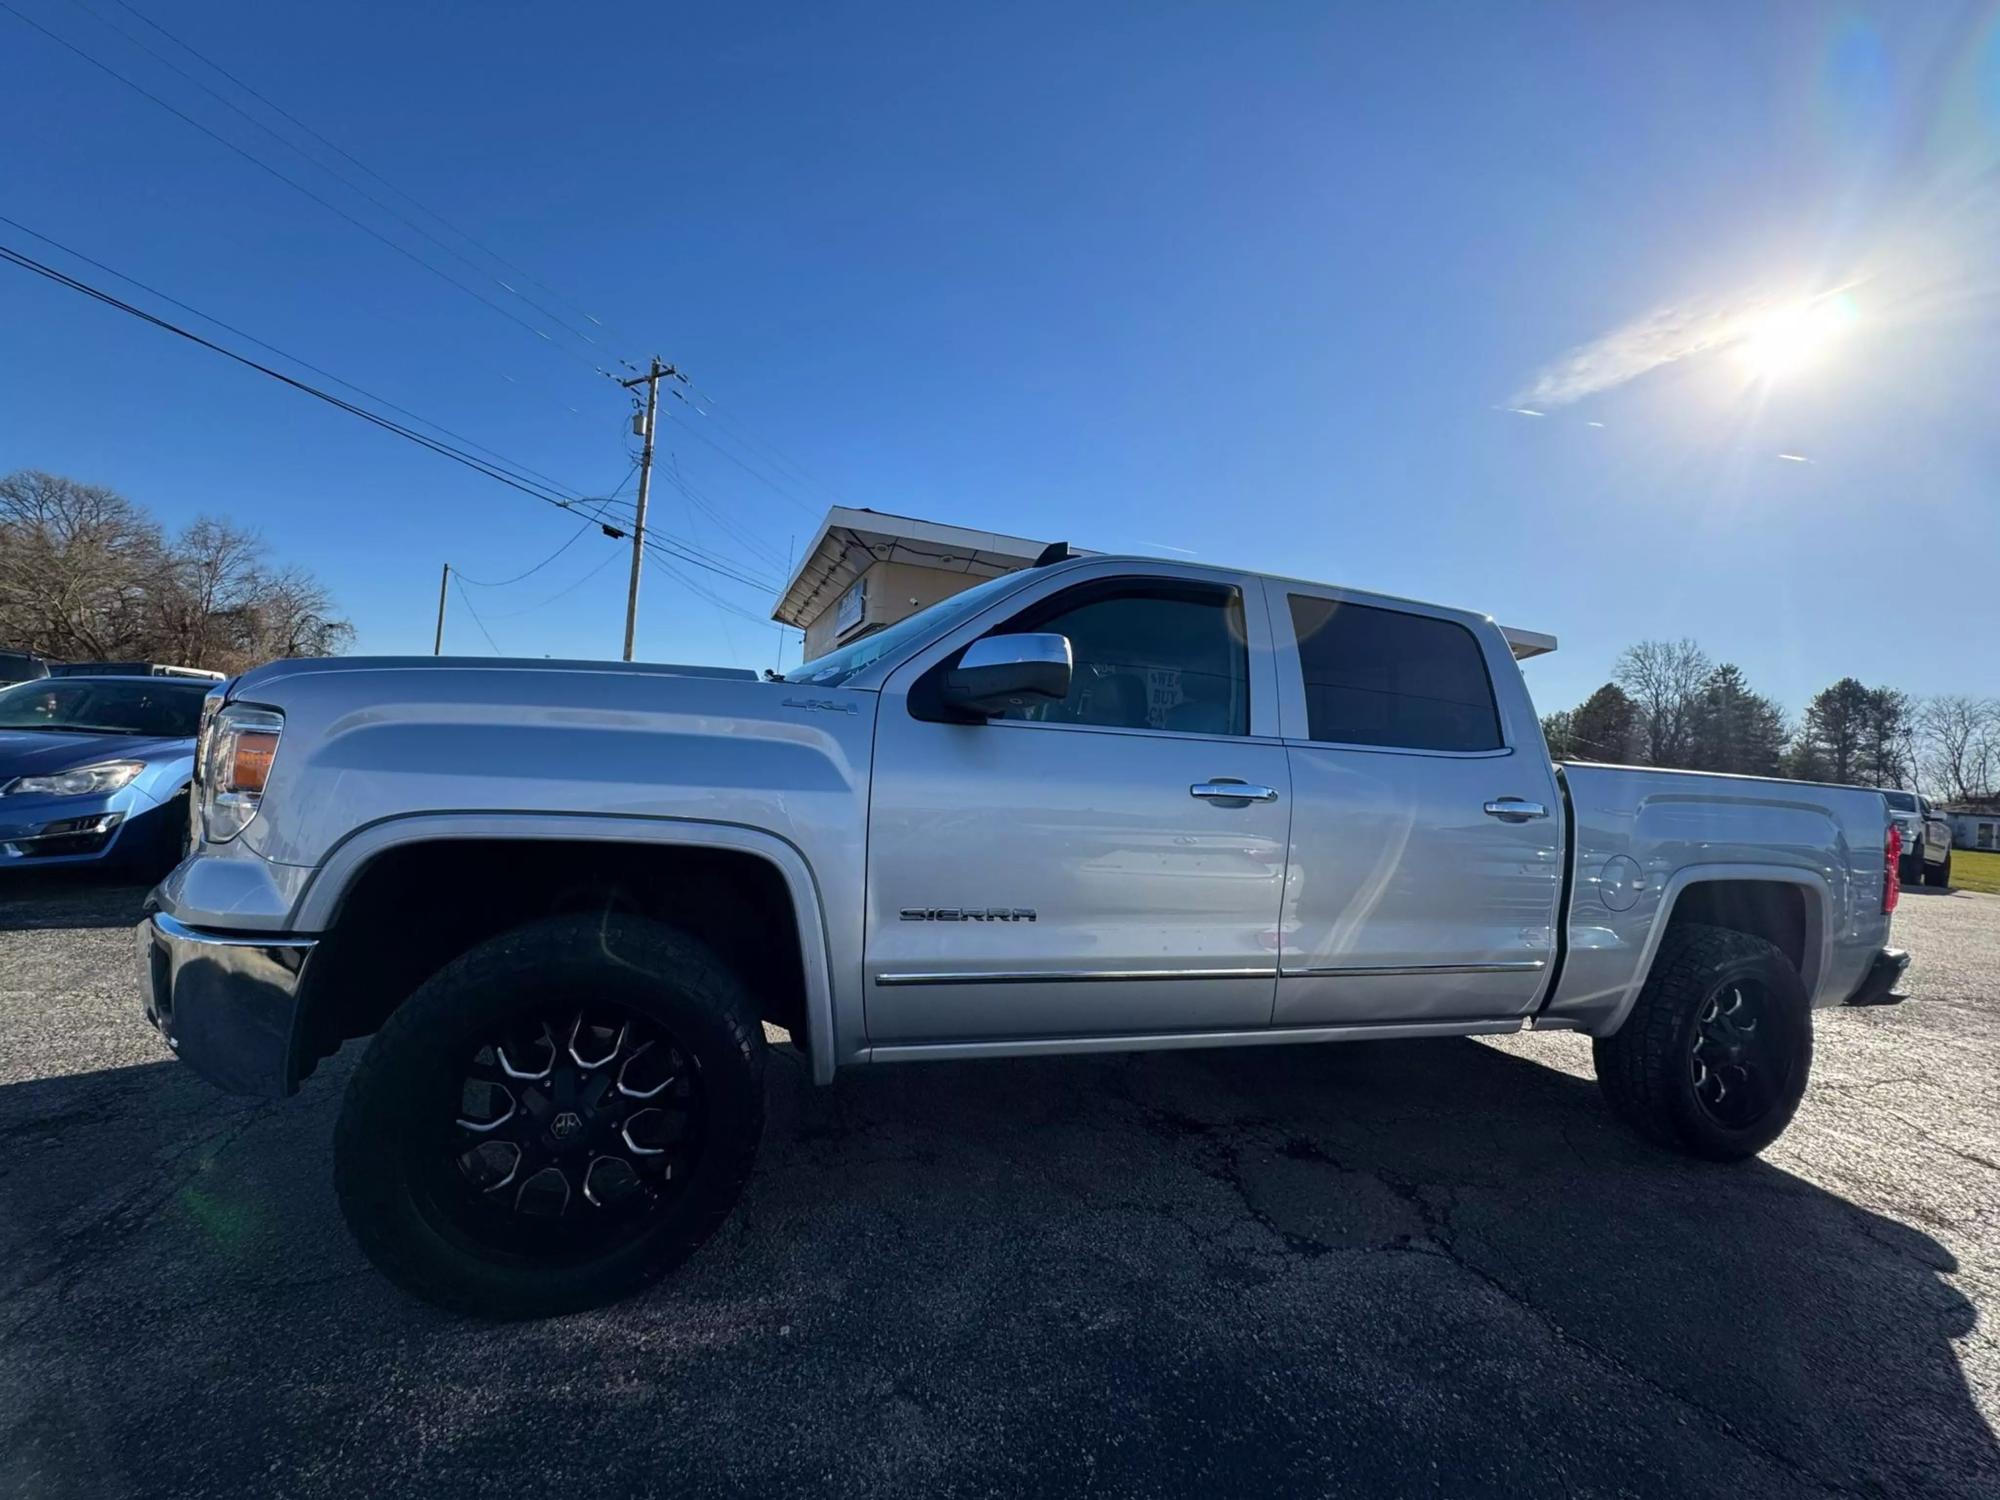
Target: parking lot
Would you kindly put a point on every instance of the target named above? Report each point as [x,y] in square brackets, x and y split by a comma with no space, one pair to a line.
[1410,1268]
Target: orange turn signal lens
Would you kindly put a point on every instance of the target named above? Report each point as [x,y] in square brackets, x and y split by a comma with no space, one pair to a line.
[250,766]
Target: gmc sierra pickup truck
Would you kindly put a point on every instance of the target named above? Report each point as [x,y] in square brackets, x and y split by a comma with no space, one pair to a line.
[1103,803]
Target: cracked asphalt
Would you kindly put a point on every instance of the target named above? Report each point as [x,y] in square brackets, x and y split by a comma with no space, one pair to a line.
[1388,1268]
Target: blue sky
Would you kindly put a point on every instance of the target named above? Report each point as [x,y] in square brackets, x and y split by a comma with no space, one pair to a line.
[1255,281]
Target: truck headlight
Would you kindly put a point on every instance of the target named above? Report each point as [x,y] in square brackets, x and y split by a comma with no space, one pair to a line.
[233,764]
[106,776]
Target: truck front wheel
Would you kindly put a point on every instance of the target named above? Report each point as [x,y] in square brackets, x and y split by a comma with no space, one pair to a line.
[555,1119]
[1714,1057]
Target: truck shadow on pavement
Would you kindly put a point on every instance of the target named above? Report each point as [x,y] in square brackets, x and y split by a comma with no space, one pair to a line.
[1384,1268]
[48,899]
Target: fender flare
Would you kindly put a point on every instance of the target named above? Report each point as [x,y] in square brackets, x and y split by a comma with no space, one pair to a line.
[318,903]
[1817,953]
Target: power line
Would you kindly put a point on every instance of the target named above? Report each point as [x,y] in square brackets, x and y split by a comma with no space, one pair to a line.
[299,187]
[348,156]
[755,473]
[466,599]
[491,470]
[761,552]
[704,402]
[611,556]
[340,177]
[590,520]
[781,459]
[28,263]
[382,401]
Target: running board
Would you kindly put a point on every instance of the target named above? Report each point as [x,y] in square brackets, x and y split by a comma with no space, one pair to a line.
[1265,1036]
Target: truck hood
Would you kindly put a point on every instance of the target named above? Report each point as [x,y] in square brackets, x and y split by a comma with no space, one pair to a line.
[260,679]
[367,740]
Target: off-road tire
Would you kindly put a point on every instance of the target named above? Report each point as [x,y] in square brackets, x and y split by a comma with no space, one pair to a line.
[1645,1068]
[652,969]
[1941,875]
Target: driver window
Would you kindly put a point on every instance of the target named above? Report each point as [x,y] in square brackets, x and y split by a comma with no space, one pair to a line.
[1158,655]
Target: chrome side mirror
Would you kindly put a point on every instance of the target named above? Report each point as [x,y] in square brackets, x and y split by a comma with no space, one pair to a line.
[999,672]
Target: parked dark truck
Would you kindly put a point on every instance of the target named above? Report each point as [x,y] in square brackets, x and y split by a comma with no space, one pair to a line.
[1102,804]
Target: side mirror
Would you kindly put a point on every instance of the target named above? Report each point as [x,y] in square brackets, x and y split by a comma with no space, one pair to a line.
[999,672]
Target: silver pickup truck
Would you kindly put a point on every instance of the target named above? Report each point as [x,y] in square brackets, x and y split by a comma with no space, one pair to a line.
[1100,804]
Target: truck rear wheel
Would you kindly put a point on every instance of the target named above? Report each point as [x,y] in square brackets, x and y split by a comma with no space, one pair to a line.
[1714,1057]
[1941,876]
[555,1119]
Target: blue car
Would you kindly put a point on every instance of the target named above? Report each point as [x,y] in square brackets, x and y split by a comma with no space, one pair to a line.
[96,770]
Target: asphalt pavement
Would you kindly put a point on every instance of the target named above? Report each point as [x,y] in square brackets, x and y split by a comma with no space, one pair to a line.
[1387,1268]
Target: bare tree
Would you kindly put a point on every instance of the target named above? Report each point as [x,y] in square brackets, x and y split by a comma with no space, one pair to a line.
[212,571]
[75,564]
[1958,746]
[84,574]
[1665,680]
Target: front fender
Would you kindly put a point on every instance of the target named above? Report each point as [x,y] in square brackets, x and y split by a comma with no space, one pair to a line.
[319,901]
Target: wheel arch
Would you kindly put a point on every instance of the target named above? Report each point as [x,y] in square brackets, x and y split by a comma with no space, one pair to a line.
[1785,905]
[378,872]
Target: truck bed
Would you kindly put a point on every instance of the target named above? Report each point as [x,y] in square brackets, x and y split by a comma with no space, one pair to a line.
[1639,836]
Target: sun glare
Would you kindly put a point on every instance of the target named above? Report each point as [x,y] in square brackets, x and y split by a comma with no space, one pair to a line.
[1794,336]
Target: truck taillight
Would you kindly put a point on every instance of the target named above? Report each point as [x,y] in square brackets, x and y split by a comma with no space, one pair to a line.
[1892,868]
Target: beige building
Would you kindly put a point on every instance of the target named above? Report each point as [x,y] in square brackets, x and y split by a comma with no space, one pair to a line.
[867,569]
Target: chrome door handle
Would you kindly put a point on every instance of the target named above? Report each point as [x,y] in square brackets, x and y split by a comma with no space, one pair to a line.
[1514,810]
[1227,789]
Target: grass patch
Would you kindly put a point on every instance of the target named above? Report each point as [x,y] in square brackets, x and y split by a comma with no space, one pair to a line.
[1976,870]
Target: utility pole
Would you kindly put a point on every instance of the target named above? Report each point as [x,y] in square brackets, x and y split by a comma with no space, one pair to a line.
[651,381]
[444,580]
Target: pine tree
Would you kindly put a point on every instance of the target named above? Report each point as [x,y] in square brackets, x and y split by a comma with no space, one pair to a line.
[1831,738]
[1734,729]
[1604,727]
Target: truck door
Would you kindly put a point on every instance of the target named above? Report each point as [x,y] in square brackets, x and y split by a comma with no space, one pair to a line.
[1426,854]
[1109,864]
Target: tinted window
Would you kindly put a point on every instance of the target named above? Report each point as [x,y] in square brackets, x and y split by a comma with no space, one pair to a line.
[836,667]
[1901,801]
[139,705]
[1160,656]
[1381,677]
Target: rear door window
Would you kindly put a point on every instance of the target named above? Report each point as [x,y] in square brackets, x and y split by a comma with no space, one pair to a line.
[1384,677]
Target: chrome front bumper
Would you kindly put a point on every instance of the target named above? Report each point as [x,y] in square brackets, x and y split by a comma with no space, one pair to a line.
[225,1002]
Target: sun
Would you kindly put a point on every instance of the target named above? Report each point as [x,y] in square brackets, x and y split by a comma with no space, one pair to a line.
[1793,336]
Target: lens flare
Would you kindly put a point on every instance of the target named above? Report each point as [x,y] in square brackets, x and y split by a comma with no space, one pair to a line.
[1794,336]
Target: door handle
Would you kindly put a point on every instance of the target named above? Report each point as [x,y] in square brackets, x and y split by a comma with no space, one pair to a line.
[1514,810]
[1228,789]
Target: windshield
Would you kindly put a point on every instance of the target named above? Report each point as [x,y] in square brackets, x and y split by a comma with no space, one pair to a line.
[141,705]
[1901,801]
[834,668]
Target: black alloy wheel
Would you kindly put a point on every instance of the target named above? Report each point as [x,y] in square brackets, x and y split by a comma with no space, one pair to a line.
[555,1119]
[1733,1059]
[567,1132]
[1717,1050]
